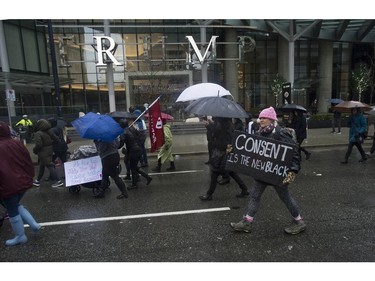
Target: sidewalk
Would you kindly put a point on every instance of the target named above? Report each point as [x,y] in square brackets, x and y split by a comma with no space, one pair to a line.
[196,143]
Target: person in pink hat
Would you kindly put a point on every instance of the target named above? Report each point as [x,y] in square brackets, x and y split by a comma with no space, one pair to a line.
[269,128]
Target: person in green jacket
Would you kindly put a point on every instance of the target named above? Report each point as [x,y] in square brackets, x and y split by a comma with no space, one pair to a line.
[165,152]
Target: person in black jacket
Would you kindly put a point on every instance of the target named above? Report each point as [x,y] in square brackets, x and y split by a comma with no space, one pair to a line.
[222,137]
[298,123]
[270,129]
[132,139]
[110,157]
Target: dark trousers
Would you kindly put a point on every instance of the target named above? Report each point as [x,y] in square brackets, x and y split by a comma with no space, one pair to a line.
[215,174]
[111,169]
[350,149]
[52,172]
[11,204]
[134,158]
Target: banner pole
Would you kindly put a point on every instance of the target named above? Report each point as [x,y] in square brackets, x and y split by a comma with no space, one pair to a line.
[146,110]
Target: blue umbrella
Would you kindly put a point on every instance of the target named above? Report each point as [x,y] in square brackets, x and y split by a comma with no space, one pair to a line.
[336,101]
[97,127]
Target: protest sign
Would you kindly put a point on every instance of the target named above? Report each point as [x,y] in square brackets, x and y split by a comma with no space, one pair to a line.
[264,159]
[83,171]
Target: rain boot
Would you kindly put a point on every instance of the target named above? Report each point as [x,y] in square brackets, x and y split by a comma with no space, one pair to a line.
[28,218]
[17,226]
[171,167]
[158,167]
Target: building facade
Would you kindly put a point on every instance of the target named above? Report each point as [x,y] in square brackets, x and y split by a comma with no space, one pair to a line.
[61,67]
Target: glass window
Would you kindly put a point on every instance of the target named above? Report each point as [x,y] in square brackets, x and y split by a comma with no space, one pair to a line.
[31,50]
[14,47]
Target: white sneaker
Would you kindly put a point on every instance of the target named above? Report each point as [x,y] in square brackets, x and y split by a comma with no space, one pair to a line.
[36,183]
[57,184]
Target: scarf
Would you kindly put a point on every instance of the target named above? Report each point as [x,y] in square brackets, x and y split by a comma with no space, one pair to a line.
[266,130]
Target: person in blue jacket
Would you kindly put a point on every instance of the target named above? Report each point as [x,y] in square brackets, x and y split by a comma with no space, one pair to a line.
[358,125]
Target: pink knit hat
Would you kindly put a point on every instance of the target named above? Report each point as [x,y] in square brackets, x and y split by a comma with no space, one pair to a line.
[268,113]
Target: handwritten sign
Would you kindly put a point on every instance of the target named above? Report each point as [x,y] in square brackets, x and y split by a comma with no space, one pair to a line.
[262,158]
[83,171]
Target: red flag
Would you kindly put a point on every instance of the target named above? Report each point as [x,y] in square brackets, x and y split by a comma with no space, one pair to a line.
[155,127]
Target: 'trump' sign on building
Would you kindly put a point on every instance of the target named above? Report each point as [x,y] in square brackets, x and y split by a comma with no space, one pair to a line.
[262,158]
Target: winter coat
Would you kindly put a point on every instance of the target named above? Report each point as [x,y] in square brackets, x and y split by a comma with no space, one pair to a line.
[358,124]
[132,139]
[16,166]
[43,142]
[223,131]
[57,134]
[107,148]
[283,134]
[299,126]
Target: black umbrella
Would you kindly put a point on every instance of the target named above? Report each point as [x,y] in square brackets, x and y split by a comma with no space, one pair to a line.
[217,107]
[292,107]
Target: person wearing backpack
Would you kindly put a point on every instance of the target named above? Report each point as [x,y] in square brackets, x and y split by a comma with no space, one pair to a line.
[269,128]
[132,139]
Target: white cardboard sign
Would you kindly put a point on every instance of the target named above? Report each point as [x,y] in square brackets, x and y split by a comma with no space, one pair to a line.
[83,171]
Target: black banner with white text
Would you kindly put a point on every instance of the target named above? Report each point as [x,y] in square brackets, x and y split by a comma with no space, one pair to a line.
[264,159]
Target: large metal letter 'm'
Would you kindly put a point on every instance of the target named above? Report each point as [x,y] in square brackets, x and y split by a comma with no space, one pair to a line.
[197,51]
[99,46]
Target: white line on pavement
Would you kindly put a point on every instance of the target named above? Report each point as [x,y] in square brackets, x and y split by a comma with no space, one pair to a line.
[136,216]
[170,173]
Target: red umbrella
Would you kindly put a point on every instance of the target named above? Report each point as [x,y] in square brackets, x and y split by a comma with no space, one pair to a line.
[163,116]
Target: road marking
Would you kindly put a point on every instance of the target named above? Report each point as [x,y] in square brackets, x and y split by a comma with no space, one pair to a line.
[136,216]
[174,172]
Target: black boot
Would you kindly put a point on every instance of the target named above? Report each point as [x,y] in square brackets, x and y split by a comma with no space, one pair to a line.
[158,167]
[172,167]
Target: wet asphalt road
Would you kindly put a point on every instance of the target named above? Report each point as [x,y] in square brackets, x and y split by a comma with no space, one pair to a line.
[166,221]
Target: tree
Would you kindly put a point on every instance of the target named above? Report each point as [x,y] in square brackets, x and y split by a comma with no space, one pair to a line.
[360,79]
[277,87]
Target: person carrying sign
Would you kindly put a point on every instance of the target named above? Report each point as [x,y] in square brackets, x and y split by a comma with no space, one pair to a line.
[269,128]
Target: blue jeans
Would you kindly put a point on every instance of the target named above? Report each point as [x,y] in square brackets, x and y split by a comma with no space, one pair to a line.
[11,204]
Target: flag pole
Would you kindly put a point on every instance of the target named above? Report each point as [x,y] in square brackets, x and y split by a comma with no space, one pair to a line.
[146,109]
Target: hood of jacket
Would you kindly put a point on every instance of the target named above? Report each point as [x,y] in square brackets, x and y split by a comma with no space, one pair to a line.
[4,131]
[42,125]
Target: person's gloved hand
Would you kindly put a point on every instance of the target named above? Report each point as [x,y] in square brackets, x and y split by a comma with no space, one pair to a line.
[229,148]
[290,177]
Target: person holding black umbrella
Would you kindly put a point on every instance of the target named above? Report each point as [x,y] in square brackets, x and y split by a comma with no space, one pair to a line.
[223,131]
[297,121]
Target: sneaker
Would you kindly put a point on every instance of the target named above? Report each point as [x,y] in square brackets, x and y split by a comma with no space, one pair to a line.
[242,225]
[57,184]
[36,183]
[339,133]
[295,227]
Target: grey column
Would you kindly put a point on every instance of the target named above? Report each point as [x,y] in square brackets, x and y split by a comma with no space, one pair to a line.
[325,75]
[110,80]
[231,70]
[283,62]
